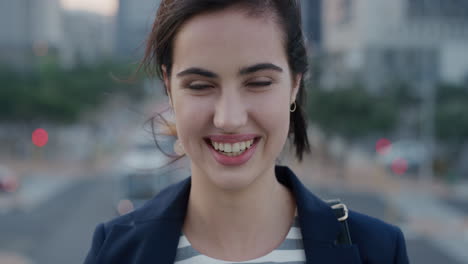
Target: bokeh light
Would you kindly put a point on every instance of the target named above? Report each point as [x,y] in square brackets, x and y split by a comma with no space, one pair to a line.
[383,146]
[125,207]
[399,166]
[40,137]
[10,184]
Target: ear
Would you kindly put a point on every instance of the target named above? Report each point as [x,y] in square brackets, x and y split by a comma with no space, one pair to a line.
[167,83]
[296,83]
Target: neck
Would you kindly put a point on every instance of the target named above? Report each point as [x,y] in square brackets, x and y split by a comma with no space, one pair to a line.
[236,221]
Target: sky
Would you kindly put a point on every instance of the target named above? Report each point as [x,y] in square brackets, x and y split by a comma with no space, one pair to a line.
[105,7]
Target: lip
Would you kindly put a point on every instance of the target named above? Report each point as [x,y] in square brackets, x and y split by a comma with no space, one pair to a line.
[232,138]
[237,160]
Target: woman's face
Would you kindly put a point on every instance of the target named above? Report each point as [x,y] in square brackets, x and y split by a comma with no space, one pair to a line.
[231,89]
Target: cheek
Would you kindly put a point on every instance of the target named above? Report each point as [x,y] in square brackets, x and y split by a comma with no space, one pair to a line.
[272,112]
[192,115]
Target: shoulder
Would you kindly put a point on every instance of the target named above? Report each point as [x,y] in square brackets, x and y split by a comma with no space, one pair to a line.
[366,226]
[113,237]
[377,239]
[168,203]
[122,235]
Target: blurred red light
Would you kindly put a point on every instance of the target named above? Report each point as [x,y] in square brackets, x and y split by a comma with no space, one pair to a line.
[399,166]
[383,146]
[40,137]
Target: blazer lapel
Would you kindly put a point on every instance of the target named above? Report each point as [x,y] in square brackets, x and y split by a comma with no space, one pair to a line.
[318,223]
[161,228]
[160,243]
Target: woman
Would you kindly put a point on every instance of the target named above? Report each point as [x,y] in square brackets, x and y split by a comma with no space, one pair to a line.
[233,71]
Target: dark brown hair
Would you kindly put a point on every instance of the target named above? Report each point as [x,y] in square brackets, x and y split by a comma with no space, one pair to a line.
[173,13]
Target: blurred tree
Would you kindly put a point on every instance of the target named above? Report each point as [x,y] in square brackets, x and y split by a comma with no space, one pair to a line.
[452,124]
[55,94]
[452,113]
[351,111]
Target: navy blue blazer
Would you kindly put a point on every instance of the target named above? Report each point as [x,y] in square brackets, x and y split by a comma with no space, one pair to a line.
[151,234]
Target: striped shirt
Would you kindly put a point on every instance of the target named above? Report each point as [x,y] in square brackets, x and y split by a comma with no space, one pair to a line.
[291,251]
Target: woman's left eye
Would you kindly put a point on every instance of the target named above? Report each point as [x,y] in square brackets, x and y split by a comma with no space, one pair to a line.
[266,83]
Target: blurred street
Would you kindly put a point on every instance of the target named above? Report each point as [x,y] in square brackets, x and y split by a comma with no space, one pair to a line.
[57,227]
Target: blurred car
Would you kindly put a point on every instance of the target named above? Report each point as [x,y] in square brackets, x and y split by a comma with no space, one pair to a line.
[413,153]
[142,173]
[9,182]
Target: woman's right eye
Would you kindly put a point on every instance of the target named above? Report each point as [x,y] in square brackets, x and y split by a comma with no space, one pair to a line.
[198,86]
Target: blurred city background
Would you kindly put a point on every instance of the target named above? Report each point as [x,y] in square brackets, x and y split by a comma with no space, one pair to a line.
[387,101]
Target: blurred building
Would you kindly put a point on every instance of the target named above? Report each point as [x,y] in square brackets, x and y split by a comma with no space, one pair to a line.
[134,21]
[89,38]
[377,41]
[311,20]
[29,29]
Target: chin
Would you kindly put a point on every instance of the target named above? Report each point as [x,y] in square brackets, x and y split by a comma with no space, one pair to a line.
[232,181]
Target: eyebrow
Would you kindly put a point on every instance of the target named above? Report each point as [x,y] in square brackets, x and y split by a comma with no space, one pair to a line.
[259,67]
[197,71]
[242,71]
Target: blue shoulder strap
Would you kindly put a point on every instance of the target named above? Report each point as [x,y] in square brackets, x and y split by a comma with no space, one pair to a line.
[341,213]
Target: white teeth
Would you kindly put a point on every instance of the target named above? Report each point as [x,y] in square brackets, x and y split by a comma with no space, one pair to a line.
[227,148]
[242,146]
[235,149]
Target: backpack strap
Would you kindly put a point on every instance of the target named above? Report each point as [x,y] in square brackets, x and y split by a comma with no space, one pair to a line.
[341,213]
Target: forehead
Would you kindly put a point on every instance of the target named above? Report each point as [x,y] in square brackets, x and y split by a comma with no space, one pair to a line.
[228,38]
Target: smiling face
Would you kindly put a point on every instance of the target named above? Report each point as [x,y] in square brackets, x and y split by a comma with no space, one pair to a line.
[231,89]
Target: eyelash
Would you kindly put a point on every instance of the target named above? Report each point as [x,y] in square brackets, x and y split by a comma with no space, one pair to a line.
[198,87]
[255,84]
[260,84]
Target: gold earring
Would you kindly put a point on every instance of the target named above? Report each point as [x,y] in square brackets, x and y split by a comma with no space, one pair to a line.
[293,107]
[178,148]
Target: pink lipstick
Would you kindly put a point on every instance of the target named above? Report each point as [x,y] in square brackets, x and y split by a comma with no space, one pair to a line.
[228,158]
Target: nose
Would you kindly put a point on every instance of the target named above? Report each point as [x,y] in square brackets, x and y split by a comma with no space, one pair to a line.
[230,112]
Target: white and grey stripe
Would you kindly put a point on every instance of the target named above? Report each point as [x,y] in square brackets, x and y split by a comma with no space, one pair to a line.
[291,251]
